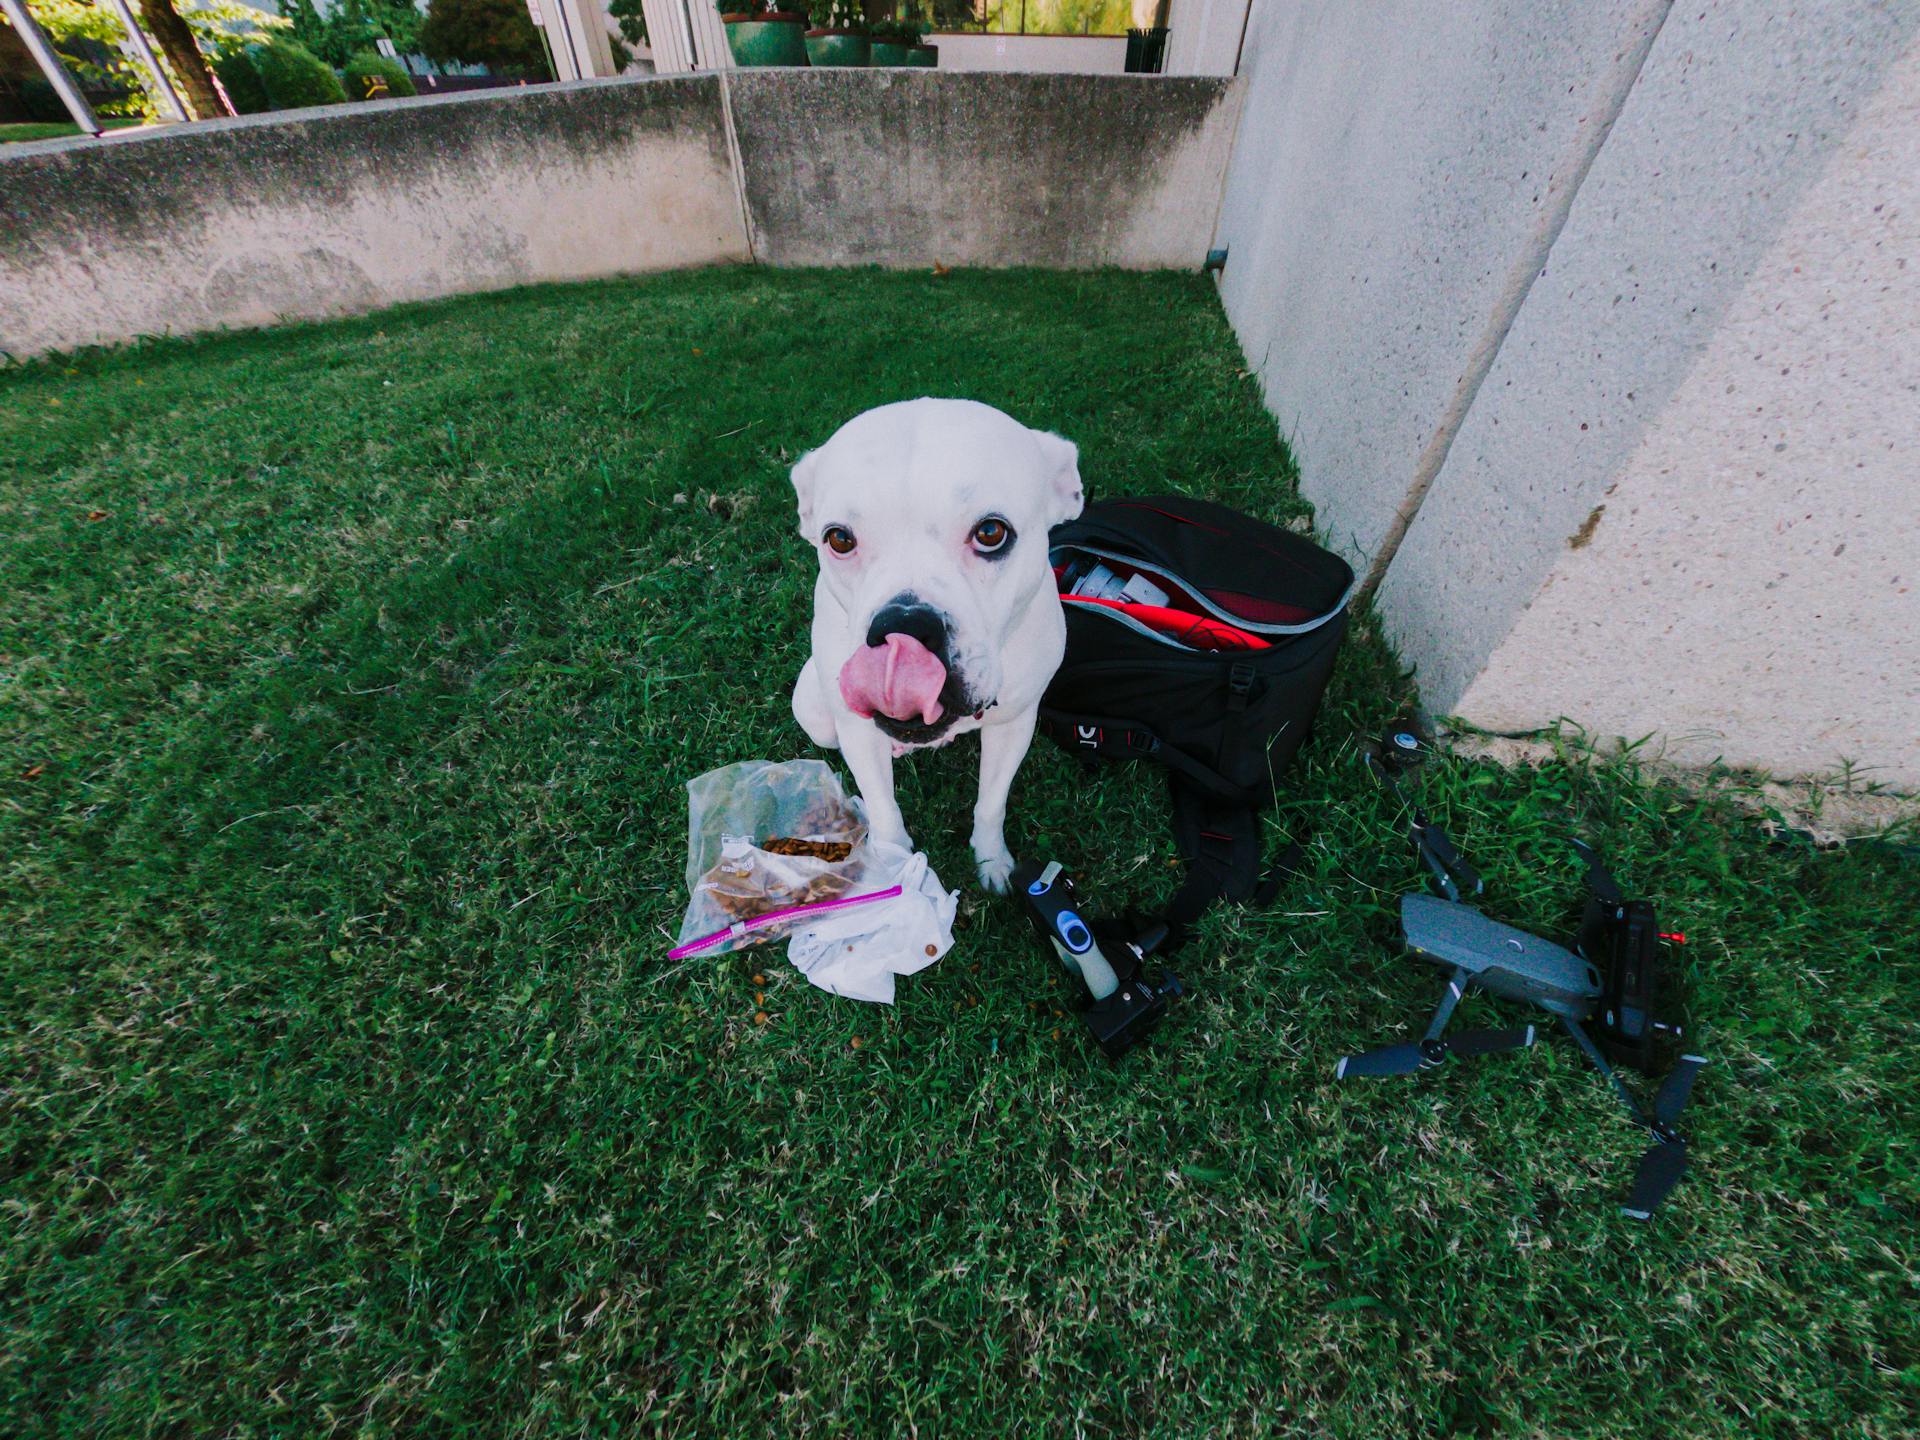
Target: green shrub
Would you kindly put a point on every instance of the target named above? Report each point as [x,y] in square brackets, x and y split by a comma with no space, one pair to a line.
[41,101]
[362,69]
[242,83]
[294,76]
[899,32]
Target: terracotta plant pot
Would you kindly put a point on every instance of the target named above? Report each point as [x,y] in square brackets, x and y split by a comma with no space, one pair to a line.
[776,38]
[838,48]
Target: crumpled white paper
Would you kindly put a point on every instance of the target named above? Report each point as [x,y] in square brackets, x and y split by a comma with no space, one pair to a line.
[857,952]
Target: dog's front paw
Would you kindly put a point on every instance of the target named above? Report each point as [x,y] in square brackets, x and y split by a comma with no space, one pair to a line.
[995,870]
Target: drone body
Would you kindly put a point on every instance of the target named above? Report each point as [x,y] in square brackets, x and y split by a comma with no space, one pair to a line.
[1499,958]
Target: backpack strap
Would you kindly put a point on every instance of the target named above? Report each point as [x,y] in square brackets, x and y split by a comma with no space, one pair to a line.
[1215,823]
[1220,842]
[1095,735]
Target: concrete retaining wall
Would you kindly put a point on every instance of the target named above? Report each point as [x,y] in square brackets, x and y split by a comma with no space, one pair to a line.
[1609,308]
[904,167]
[324,212]
[348,208]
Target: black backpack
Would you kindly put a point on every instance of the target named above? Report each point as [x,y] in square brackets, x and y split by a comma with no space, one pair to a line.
[1223,721]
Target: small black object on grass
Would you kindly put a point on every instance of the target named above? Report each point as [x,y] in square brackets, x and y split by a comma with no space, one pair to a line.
[1118,1001]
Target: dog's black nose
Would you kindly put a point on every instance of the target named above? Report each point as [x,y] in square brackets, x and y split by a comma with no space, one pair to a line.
[910,616]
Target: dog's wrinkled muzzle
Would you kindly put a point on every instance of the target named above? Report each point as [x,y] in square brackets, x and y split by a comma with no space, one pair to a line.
[899,678]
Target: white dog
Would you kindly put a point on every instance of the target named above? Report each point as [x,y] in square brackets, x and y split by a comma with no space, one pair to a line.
[935,611]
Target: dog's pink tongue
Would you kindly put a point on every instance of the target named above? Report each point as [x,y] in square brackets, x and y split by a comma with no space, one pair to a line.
[900,679]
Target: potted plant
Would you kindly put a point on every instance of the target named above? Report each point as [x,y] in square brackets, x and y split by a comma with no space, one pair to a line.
[894,42]
[765,34]
[840,37]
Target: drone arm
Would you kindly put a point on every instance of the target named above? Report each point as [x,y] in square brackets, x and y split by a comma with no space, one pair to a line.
[1449,866]
[1437,851]
[1456,990]
[1599,1062]
[1602,885]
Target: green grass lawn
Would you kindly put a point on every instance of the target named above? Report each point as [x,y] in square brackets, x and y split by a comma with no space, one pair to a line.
[349,678]
[56,129]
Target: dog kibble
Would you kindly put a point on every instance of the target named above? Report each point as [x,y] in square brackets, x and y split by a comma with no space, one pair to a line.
[935,949]
[832,851]
[759,1017]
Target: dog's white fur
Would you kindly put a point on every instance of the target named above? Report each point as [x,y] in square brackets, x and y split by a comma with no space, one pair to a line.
[911,481]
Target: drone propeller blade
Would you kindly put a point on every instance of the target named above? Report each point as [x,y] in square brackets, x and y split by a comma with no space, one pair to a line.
[1392,1060]
[1675,1089]
[1599,881]
[1489,1042]
[1660,1170]
[1405,1059]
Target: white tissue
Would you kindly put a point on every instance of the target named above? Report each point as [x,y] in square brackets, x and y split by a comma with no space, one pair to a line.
[857,952]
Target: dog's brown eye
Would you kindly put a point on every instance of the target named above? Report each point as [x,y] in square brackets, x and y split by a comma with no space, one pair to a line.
[992,534]
[840,540]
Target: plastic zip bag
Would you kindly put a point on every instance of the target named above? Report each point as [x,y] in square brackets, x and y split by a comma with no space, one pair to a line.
[769,844]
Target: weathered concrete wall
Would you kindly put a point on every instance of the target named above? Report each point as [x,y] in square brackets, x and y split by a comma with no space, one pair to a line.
[323,212]
[331,211]
[1502,264]
[1034,54]
[1399,173]
[909,167]
[1692,479]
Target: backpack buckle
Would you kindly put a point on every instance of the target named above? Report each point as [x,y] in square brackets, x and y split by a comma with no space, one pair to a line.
[1239,685]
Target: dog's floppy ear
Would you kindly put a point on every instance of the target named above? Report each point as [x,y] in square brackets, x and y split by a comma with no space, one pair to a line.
[804,474]
[1061,459]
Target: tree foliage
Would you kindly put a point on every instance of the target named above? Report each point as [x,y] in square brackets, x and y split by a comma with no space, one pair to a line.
[632,21]
[1058,17]
[350,27]
[496,33]
[218,28]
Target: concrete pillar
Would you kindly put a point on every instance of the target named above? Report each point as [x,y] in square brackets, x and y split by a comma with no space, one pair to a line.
[576,33]
[1203,36]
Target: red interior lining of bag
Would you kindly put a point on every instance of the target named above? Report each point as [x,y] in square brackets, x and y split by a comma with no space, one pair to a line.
[1197,632]
[1259,611]
[1253,608]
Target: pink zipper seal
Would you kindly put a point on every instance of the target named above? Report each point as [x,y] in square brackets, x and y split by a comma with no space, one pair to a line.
[772,917]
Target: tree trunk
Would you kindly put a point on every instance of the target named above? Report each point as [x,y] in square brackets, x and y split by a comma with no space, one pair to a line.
[174,40]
